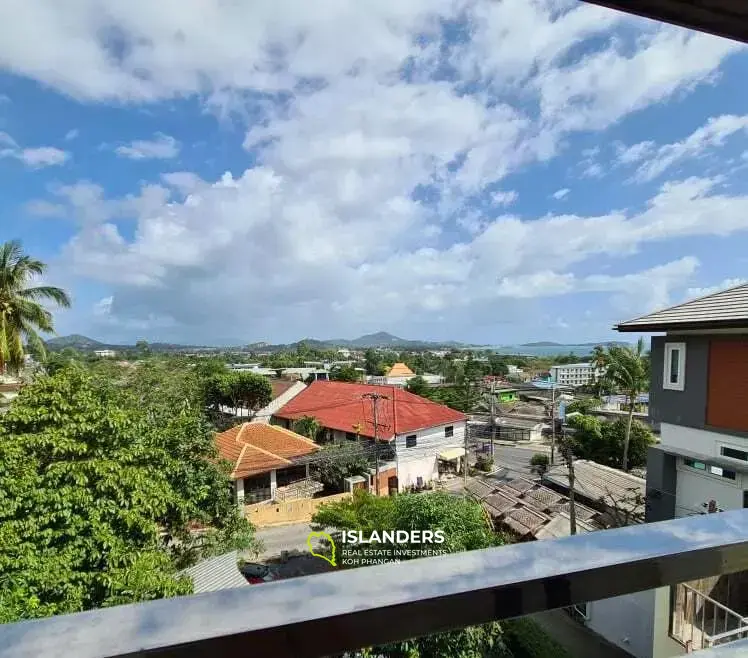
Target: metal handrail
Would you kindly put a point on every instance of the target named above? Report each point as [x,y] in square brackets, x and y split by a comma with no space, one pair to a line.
[345,610]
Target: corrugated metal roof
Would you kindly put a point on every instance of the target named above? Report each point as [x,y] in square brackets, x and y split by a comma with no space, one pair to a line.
[216,573]
[601,483]
[727,307]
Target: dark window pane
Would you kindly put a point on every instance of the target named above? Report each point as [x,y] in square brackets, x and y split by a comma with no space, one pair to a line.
[449,431]
[735,454]
[674,359]
[410,441]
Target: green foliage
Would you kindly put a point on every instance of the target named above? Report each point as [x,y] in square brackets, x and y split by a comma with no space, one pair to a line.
[539,463]
[466,528]
[22,314]
[247,390]
[525,640]
[603,442]
[344,374]
[418,386]
[484,463]
[373,363]
[337,462]
[309,427]
[582,406]
[101,482]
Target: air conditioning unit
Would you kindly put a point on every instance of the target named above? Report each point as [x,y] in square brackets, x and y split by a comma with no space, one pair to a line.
[351,484]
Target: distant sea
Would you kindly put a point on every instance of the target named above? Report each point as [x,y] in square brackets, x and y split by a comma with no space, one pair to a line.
[544,350]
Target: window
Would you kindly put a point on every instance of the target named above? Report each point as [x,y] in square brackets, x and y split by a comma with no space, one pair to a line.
[410,441]
[350,436]
[449,431]
[711,469]
[733,453]
[675,366]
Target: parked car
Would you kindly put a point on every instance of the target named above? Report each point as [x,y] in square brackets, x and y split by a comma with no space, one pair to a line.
[256,573]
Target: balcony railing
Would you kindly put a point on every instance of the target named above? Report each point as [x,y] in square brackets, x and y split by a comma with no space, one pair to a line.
[341,611]
[703,623]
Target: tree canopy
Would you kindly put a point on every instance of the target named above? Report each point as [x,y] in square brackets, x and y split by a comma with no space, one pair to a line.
[22,315]
[246,390]
[344,373]
[603,442]
[99,491]
[466,528]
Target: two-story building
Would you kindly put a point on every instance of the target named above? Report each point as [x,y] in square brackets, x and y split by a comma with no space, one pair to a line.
[416,438]
[699,398]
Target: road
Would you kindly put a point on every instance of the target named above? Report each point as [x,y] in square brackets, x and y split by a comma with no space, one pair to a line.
[284,538]
[516,461]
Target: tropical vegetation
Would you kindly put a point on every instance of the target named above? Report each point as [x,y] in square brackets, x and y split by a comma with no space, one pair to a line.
[22,311]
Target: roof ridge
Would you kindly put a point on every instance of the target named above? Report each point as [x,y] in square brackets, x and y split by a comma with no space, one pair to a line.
[687,302]
[267,452]
[238,460]
[241,431]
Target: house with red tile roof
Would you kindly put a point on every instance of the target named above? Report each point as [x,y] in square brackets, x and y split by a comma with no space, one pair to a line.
[421,438]
[264,458]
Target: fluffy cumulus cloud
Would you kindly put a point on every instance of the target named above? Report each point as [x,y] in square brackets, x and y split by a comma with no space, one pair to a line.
[376,130]
[162,147]
[34,157]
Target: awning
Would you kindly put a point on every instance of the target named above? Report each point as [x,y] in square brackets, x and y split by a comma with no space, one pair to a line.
[451,454]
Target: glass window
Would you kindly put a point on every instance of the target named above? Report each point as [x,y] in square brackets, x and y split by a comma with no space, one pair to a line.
[674,363]
[733,453]
[449,431]
[410,441]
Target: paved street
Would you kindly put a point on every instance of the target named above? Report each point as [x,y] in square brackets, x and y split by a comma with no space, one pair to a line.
[284,538]
[514,461]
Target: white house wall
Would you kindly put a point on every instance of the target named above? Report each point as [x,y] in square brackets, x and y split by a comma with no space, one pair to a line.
[264,414]
[698,441]
[422,460]
[694,490]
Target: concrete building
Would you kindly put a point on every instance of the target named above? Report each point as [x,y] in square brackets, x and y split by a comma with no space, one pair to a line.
[574,374]
[105,354]
[699,398]
[418,438]
[399,375]
[264,458]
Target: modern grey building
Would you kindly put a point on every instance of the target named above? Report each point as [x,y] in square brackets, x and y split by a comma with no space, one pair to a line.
[699,399]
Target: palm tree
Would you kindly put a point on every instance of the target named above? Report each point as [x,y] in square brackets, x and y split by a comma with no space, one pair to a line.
[627,371]
[21,313]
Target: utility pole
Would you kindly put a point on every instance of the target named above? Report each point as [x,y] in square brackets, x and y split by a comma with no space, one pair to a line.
[553,421]
[375,398]
[493,414]
[465,461]
[569,457]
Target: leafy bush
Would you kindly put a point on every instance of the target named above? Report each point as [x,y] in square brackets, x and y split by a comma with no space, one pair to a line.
[484,463]
[525,639]
[539,463]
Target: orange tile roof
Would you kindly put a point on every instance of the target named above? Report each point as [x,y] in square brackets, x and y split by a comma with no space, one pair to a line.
[255,448]
[341,405]
[400,370]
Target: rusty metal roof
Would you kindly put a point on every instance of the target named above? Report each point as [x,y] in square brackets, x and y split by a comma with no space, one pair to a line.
[725,18]
[726,309]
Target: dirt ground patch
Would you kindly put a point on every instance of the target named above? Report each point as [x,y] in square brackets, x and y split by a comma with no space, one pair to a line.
[298,564]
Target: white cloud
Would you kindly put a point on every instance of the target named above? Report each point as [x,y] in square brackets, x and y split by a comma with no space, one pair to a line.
[656,160]
[70,135]
[561,194]
[297,254]
[163,147]
[33,158]
[504,198]
[723,285]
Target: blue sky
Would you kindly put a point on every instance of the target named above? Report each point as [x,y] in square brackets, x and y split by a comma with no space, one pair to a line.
[493,172]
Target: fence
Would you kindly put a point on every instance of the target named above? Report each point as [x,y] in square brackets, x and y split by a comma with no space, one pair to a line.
[292,511]
[700,622]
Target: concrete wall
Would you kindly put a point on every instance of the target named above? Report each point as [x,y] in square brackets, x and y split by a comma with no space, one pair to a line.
[422,460]
[661,485]
[264,414]
[294,511]
[686,407]
[637,623]
[695,489]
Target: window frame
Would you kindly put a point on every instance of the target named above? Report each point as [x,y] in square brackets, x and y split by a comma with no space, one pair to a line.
[743,451]
[679,385]
[449,431]
[414,438]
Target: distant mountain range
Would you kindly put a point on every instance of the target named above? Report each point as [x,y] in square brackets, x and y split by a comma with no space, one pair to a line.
[546,343]
[379,339]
